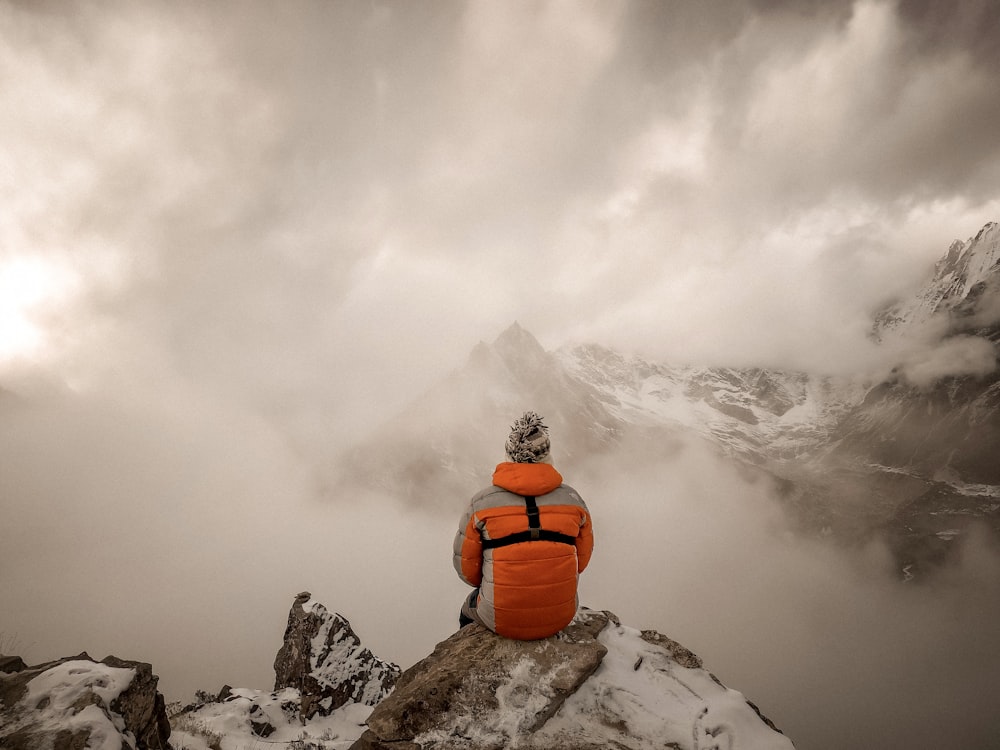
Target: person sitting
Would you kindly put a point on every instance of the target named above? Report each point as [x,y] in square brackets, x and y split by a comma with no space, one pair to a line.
[523,541]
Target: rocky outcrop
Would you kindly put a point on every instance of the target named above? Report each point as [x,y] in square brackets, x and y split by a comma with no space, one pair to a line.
[468,672]
[322,658]
[12,664]
[596,684]
[77,702]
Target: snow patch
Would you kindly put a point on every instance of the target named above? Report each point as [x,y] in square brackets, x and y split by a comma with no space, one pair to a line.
[230,725]
[642,699]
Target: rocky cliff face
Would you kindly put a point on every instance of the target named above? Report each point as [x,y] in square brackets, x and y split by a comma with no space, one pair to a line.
[78,702]
[595,685]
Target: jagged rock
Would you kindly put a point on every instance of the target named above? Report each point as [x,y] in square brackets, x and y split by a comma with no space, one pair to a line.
[77,702]
[324,660]
[595,685]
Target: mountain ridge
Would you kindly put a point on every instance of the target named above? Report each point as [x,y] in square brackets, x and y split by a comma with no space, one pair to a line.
[850,455]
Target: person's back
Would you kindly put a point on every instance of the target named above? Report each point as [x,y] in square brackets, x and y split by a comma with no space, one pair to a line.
[523,542]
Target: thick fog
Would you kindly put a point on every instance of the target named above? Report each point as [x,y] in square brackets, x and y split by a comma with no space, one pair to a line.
[237,238]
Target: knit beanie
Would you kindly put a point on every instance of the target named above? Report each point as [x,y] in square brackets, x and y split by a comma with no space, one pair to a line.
[529,440]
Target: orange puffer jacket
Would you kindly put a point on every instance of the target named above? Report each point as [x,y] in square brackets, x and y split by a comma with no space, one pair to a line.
[527,587]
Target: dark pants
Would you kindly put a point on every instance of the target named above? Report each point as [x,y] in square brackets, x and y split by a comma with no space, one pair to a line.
[467,615]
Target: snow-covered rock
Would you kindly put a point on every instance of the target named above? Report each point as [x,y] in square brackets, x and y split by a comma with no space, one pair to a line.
[323,659]
[597,684]
[326,683]
[77,702]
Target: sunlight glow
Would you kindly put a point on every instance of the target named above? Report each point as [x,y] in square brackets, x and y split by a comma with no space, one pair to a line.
[28,285]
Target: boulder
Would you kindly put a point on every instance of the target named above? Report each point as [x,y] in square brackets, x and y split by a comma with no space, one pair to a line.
[12,664]
[78,702]
[322,658]
[595,685]
[469,676]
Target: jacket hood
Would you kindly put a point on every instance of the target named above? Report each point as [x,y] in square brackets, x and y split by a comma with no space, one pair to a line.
[527,479]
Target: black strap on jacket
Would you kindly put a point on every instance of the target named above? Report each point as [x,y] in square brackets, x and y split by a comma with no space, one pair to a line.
[534,520]
[534,533]
[542,535]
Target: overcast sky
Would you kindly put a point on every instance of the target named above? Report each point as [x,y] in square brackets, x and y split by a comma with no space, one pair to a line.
[358,192]
[234,236]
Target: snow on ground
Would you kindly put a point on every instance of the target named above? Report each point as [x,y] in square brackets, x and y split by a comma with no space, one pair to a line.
[52,702]
[229,725]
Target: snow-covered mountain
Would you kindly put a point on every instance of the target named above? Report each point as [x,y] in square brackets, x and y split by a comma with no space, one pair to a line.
[755,414]
[937,414]
[962,291]
[912,455]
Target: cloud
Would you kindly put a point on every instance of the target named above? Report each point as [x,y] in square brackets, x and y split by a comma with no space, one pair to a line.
[952,357]
[615,172]
[966,29]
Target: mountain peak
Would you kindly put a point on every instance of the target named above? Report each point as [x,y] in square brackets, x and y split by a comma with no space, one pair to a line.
[516,338]
[519,349]
[971,262]
[966,277]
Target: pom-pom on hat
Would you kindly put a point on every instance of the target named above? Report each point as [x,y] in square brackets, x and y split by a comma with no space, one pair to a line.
[529,440]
